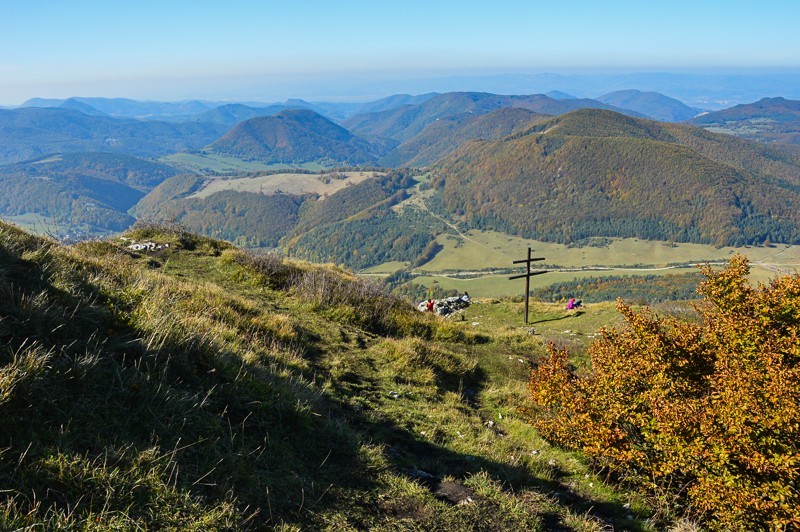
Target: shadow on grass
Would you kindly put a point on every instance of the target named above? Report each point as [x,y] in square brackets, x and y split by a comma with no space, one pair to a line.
[178,415]
[565,317]
[429,464]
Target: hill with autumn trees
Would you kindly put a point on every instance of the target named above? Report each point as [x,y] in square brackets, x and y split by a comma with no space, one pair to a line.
[599,173]
[767,120]
[298,135]
[403,122]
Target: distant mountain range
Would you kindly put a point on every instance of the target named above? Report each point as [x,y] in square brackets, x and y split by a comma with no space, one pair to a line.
[28,133]
[444,135]
[402,123]
[587,173]
[651,104]
[557,169]
[123,107]
[767,120]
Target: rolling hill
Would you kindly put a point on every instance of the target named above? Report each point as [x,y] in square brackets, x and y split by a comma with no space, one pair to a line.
[295,136]
[233,113]
[767,120]
[402,123]
[651,104]
[91,192]
[598,173]
[31,132]
[125,107]
[446,134]
[588,173]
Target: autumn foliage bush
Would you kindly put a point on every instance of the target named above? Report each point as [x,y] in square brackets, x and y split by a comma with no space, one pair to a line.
[705,411]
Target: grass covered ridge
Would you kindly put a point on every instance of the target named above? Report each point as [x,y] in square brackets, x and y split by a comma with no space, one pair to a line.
[202,387]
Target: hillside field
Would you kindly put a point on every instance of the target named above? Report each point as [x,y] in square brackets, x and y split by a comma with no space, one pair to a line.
[288,183]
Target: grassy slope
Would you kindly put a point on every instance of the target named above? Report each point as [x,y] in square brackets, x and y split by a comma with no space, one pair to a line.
[288,183]
[203,388]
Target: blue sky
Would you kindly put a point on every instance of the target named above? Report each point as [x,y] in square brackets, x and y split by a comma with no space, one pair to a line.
[237,49]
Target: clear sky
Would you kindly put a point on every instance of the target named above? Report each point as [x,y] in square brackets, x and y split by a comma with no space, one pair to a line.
[231,49]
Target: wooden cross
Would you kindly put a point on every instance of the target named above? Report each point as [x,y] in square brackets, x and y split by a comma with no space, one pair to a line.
[527,275]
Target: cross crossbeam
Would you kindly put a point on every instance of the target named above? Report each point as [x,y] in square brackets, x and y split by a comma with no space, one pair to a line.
[527,275]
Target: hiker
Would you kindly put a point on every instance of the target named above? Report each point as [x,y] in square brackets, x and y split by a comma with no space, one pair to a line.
[429,305]
[574,303]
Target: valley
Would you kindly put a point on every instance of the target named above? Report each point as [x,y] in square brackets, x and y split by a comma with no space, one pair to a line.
[227,334]
[445,188]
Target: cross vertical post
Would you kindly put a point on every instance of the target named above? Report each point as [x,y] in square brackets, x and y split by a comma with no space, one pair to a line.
[527,275]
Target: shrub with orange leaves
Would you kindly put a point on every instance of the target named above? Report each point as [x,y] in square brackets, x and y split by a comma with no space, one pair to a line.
[709,410]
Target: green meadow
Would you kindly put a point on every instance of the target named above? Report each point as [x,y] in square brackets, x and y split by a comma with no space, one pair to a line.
[286,183]
[466,262]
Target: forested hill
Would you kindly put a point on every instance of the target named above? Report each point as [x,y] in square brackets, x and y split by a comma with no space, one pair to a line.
[87,191]
[598,173]
[767,120]
[298,135]
[650,104]
[446,134]
[28,133]
[403,122]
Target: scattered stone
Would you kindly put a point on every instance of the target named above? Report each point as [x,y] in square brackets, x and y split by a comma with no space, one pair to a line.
[454,493]
[490,423]
[394,395]
[535,452]
[146,246]
[551,462]
[419,473]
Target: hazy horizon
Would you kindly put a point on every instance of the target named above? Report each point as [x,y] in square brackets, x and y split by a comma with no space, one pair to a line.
[356,51]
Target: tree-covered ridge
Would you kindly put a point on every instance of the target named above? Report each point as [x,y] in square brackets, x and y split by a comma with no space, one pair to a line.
[446,134]
[246,218]
[298,135]
[597,173]
[351,200]
[89,191]
[651,104]
[86,203]
[28,133]
[126,169]
[767,120]
[373,236]
[403,122]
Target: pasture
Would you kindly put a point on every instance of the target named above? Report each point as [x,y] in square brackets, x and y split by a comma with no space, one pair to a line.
[286,183]
[466,261]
